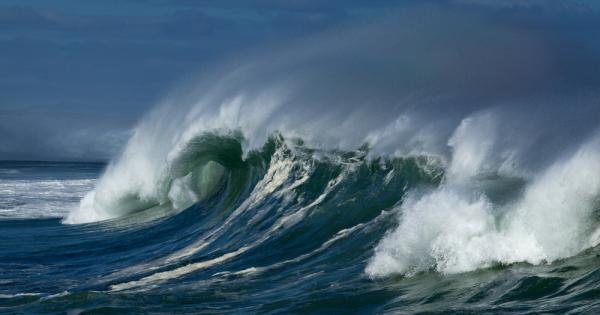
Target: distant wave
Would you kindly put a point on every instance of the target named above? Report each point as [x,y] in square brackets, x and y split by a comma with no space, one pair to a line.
[40,198]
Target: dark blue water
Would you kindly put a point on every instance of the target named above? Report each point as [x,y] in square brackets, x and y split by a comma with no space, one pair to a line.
[259,243]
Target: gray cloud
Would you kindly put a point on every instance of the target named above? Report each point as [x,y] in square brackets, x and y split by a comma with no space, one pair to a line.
[119,58]
[35,135]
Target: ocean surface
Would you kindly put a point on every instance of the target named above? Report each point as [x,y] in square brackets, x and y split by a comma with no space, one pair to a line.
[285,229]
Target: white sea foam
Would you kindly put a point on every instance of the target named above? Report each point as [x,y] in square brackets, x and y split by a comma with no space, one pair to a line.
[10,296]
[178,272]
[25,198]
[456,228]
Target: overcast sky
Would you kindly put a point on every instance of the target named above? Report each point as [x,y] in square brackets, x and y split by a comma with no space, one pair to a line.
[75,76]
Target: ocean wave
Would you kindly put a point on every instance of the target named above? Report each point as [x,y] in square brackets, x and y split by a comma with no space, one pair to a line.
[473,208]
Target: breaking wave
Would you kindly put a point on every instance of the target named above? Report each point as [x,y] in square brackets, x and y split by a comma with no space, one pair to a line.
[473,207]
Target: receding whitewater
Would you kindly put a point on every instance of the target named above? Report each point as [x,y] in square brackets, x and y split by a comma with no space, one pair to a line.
[291,229]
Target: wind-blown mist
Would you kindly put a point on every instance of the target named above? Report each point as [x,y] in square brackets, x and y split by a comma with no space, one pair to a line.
[503,102]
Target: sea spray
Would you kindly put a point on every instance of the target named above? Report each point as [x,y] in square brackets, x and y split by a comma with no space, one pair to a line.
[456,228]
